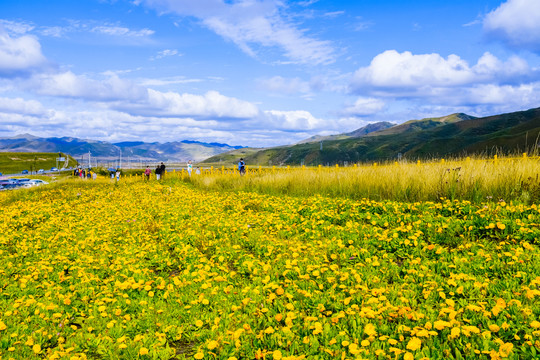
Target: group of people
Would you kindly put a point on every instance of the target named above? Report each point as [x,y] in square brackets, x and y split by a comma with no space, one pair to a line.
[83,174]
[160,169]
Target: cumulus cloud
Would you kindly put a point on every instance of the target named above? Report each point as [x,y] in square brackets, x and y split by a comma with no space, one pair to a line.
[19,54]
[210,105]
[125,95]
[364,106]
[250,24]
[515,22]
[21,106]
[68,84]
[392,69]
[292,120]
[489,84]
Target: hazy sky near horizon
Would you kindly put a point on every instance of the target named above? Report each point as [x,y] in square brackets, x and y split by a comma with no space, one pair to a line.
[259,72]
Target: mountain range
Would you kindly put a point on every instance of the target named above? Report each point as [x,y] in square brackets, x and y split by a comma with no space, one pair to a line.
[137,150]
[453,135]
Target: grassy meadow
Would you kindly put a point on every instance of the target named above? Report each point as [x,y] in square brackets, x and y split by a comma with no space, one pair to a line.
[278,264]
[15,162]
[476,180]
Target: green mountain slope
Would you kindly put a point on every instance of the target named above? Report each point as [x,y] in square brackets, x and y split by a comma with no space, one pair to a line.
[423,124]
[457,135]
[363,131]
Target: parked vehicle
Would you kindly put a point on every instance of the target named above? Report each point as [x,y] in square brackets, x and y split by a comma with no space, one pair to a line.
[54,169]
[40,171]
[38,182]
[24,172]
[9,186]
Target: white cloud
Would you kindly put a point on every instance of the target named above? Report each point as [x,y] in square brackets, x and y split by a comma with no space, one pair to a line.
[165,53]
[121,31]
[68,84]
[210,105]
[125,95]
[516,22]
[14,27]
[19,54]
[292,120]
[488,86]
[249,24]
[394,70]
[167,81]
[364,106]
[334,14]
[21,106]
[520,96]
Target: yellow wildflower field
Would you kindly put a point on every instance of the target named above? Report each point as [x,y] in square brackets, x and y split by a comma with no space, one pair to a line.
[162,270]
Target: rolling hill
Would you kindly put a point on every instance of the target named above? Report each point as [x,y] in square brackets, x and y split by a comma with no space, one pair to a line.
[15,162]
[452,135]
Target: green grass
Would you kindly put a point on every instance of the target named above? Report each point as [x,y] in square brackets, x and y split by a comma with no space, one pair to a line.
[15,162]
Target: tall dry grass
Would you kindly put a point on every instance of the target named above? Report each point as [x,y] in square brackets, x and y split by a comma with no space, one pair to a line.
[477,180]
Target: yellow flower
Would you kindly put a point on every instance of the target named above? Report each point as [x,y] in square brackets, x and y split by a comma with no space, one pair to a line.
[365,343]
[36,348]
[280,291]
[455,332]
[198,355]
[408,356]
[199,323]
[277,355]
[535,325]
[369,330]
[143,351]
[506,349]
[353,348]
[2,326]
[212,345]
[494,327]
[414,344]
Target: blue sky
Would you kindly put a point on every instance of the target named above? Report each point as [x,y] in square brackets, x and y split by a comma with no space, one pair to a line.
[259,72]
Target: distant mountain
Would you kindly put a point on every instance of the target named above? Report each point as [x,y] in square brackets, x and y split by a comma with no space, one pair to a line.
[170,151]
[363,131]
[423,124]
[452,135]
[371,128]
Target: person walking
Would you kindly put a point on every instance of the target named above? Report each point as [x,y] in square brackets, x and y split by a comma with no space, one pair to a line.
[147,173]
[162,170]
[158,172]
[189,167]
[241,166]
